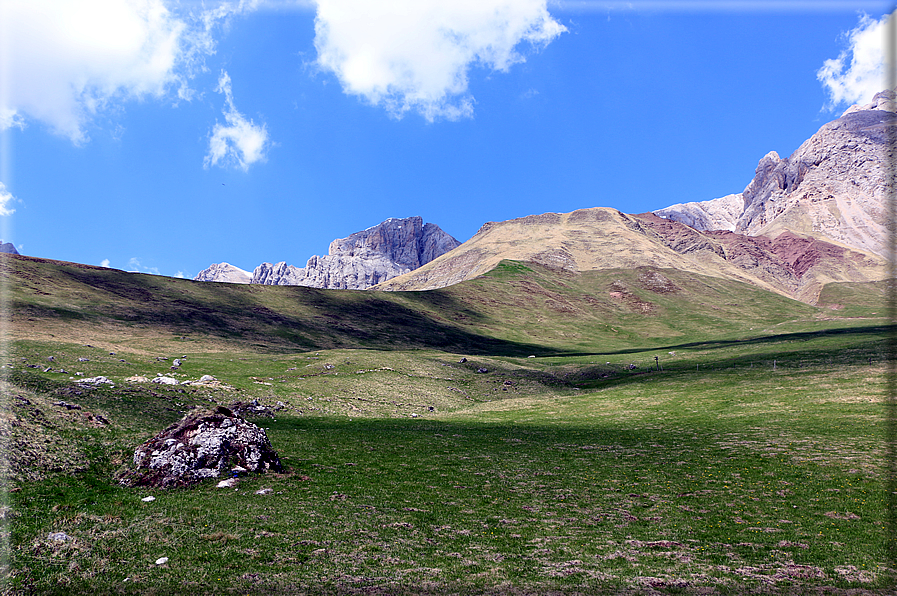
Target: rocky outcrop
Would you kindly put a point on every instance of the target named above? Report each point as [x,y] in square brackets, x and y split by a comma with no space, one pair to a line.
[365,258]
[8,248]
[224,272]
[202,445]
[834,186]
[717,214]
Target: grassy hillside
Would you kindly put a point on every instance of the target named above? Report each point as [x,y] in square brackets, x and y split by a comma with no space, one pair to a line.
[515,309]
[743,452]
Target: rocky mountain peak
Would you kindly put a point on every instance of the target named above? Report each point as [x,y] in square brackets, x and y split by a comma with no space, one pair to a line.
[834,186]
[224,272]
[357,262]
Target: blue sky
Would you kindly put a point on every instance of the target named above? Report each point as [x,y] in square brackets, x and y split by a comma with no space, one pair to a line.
[163,136]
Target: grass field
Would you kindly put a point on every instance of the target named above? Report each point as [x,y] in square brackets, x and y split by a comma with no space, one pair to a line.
[752,462]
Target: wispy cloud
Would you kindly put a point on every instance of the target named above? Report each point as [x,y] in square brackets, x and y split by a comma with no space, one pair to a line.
[240,141]
[416,54]
[137,267]
[858,72]
[6,199]
[708,6]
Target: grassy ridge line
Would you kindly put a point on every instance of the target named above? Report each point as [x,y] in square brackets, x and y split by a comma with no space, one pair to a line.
[515,310]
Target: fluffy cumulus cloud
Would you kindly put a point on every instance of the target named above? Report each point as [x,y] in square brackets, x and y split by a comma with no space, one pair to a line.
[239,141]
[63,62]
[416,54]
[6,199]
[104,263]
[858,72]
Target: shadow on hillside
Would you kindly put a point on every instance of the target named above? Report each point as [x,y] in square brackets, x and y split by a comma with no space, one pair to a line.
[267,317]
[881,330]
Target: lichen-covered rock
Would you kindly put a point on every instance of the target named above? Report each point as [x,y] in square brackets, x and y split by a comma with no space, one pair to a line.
[201,445]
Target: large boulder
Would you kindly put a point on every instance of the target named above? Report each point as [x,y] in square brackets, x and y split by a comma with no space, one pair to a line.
[202,445]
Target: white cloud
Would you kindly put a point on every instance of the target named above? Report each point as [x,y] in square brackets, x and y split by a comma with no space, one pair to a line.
[64,62]
[241,141]
[858,72]
[138,267]
[104,263]
[416,54]
[179,275]
[5,199]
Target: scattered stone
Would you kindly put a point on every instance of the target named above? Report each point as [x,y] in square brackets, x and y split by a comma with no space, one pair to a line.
[58,537]
[531,356]
[149,499]
[162,380]
[67,405]
[83,359]
[463,360]
[161,560]
[51,359]
[96,381]
[137,379]
[207,379]
[201,445]
[264,491]
[229,483]
[482,369]
[252,408]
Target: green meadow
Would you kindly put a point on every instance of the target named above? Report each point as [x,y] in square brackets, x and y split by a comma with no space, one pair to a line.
[488,438]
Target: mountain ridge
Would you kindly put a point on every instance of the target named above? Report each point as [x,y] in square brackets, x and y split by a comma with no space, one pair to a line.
[356,262]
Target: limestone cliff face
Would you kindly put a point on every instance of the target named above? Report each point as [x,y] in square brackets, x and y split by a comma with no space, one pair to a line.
[365,258]
[224,272]
[834,186]
[717,214]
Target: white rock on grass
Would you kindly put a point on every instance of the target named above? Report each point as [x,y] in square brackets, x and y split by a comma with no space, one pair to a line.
[229,483]
[149,499]
[96,381]
[58,536]
[161,560]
